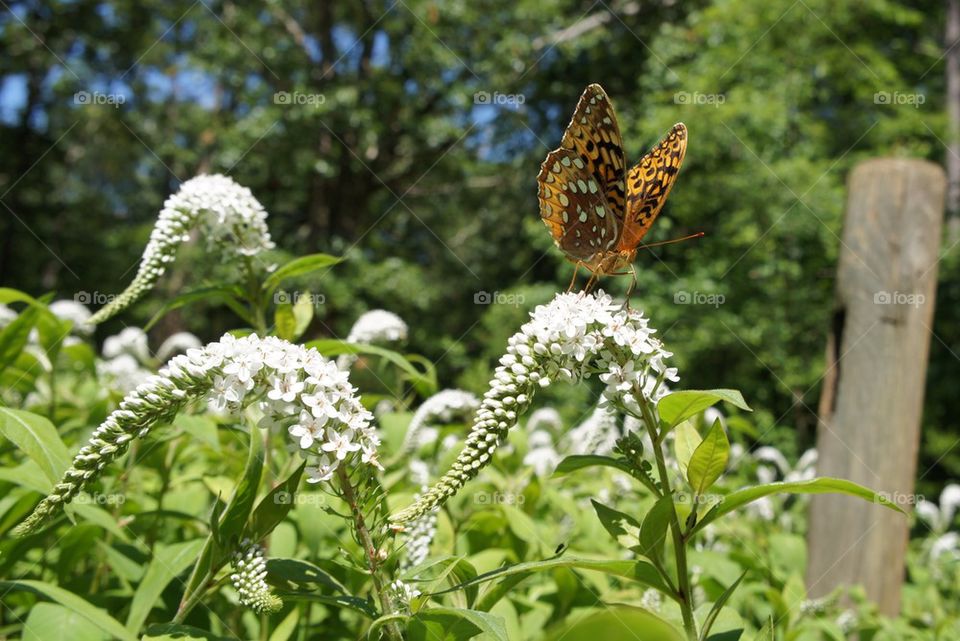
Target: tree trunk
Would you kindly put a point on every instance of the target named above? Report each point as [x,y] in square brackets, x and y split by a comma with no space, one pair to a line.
[869,430]
[953,118]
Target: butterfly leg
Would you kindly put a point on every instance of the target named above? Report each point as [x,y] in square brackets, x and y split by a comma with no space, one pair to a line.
[590,283]
[573,280]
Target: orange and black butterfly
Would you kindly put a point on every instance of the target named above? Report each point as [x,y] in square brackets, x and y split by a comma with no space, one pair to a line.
[596,210]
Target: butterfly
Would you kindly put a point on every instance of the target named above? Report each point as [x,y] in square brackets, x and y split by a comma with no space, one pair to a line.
[596,210]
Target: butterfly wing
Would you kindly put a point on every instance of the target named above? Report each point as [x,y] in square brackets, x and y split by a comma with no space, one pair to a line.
[573,208]
[649,183]
[581,182]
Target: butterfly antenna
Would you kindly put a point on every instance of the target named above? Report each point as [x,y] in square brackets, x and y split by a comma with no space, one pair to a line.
[699,234]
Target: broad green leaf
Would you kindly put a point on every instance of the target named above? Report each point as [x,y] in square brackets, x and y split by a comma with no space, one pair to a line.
[653,530]
[617,622]
[51,621]
[235,517]
[580,461]
[686,440]
[285,322]
[71,601]
[767,632]
[303,313]
[298,267]
[168,562]
[455,570]
[301,573]
[717,606]
[333,347]
[356,604]
[640,571]
[455,624]
[374,634]
[179,632]
[677,407]
[14,336]
[38,439]
[823,485]
[285,630]
[275,505]
[622,527]
[709,460]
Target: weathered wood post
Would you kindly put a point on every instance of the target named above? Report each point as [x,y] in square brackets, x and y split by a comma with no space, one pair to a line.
[870,409]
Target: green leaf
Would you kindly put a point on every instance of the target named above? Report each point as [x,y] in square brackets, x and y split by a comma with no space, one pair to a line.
[676,407]
[715,610]
[50,621]
[235,517]
[767,632]
[356,604]
[71,601]
[14,337]
[653,531]
[301,573]
[618,622]
[823,485]
[580,461]
[38,439]
[640,571]
[333,347]
[168,562]
[285,322]
[179,632]
[709,460]
[298,267]
[275,506]
[686,441]
[622,527]
[454,624]
[303,313]
[373,633]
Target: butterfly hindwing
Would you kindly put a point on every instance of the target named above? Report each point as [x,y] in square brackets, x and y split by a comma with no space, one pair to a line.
[649,183]
[574,208]
[594,135]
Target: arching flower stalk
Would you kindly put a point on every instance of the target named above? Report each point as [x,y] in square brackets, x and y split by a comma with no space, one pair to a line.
[232,221]
[296,388]
[248,578]
[567,340]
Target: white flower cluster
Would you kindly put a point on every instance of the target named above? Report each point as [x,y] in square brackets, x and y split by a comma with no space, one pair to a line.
[401,594]
[568,339]
[232,221]
[541,456]
[248,578]
[597,434]
[73,311]
[445,406]
[295,387]
[545,418]
[374,327]
[416,540]
[126,356]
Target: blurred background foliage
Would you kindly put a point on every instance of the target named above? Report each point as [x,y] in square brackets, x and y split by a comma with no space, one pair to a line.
[363,129]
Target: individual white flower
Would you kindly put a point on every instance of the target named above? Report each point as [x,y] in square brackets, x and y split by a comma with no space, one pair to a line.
[232,221]
[340,444]
[322,469]
[446,406]
[249,579]
[130,340]
[177,343]
[374,327]
[286,387]
[308,429]
[75,312]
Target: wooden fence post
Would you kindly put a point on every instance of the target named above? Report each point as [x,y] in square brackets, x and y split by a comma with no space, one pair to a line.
[872,401]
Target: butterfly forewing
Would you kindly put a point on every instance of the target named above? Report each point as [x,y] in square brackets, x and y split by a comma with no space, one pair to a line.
[649,183]
[573,206]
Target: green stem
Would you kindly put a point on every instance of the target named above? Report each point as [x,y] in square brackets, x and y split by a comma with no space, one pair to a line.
[370,551]
[255,298]
[684,592]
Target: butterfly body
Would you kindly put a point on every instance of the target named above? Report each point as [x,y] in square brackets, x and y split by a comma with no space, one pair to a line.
[596,210]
